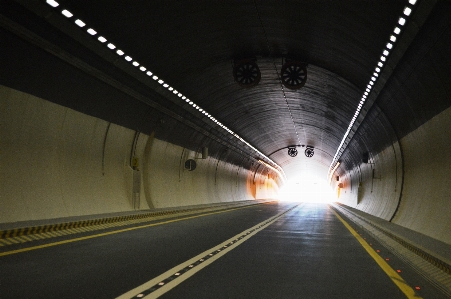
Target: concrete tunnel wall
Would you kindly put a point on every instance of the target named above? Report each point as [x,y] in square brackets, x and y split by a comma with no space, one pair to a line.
[56,162]
[411,184]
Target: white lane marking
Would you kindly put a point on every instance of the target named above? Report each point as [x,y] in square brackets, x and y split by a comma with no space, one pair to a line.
[230,244]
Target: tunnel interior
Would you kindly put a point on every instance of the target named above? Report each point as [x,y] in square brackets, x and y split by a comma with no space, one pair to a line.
[107,101]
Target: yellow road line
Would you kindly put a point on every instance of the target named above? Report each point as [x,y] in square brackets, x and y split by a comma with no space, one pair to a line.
[394,276]
[114,232]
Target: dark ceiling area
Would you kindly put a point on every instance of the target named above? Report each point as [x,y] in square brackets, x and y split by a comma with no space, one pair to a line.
[194,47]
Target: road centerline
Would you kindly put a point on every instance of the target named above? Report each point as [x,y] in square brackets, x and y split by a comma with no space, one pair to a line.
[173,277]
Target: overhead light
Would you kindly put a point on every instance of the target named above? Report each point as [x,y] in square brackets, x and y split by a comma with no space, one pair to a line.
[111,46]
[80,23]
[141,68]
[380,64]
[67,13]
[120,52]
[401,21]
[52,3]
[383,58]
[179,95]
[392,38]
[373,78]
[385,53]
[160,81]
[149,73]
[407,11]
[397,30]
[187,100]
[171,88]
[92,31]
[128,58]
[135,63]
[165,85]
[183,97]
[389,45]
[375,74]
[190,102]
[101,39]
[175,92]
[155,77]
[412,2]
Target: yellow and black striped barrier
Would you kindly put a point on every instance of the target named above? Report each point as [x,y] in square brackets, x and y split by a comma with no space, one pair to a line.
[32,233]
[445,267]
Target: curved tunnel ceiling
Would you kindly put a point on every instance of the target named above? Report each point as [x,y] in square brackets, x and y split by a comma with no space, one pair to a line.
[192,45]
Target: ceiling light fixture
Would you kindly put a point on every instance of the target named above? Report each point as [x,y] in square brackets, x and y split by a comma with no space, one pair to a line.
[67,13]
[407,11]
[389,46]
[80,23]
[52,3]
[111,46]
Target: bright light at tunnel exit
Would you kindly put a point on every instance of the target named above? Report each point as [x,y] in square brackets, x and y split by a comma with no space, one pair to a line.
[307,188]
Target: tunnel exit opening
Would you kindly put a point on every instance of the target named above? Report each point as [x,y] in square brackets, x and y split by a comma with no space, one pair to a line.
[307,188]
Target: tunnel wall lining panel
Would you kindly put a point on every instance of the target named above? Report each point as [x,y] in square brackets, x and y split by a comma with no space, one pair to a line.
[425,203]
[56,162]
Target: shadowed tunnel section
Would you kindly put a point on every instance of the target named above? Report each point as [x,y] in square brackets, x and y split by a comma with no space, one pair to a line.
[101,118]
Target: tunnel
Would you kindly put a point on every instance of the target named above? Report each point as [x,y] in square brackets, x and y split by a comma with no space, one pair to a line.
[146,149]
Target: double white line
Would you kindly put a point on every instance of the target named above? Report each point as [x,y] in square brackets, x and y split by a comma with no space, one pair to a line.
[171,278]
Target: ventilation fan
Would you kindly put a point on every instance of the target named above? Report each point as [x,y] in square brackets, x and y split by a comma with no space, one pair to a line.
[292,152]
[246,73]
[293,74]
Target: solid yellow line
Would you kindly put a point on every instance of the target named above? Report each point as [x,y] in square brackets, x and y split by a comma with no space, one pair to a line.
[394,276]
[114,232]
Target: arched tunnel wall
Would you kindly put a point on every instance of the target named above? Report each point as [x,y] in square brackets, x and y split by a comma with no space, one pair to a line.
[411,180]
[57,162]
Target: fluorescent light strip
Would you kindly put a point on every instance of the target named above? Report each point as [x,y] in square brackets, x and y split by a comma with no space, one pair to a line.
[389,46]
[80,23]
[52,3]
[111,46]
[67,13]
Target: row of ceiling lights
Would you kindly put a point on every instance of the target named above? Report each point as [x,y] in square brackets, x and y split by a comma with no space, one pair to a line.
[383,58]
[142,68]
